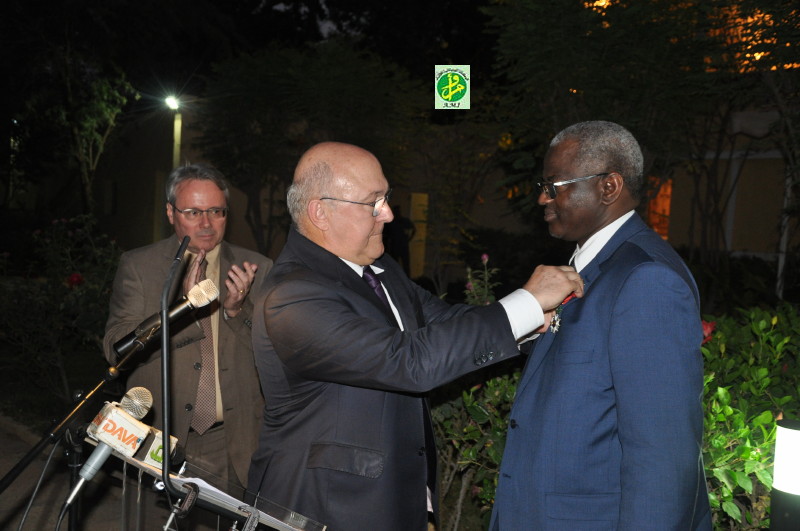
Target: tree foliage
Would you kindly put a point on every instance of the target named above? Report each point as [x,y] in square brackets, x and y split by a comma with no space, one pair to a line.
[767,49]
[642,64]
[678,75]
[78,105]
[74,66]
[264,109]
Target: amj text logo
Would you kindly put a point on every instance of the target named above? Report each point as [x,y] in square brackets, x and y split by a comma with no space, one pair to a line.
[451,87]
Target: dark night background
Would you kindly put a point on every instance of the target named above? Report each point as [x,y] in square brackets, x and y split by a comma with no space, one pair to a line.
[90,139]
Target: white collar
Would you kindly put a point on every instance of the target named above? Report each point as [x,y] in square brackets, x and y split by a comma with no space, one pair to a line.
[592,247]
[360,269]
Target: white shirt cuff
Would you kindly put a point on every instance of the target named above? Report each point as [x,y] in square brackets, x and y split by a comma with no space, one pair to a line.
[524,313]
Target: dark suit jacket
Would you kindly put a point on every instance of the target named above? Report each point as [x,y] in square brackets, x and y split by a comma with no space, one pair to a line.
[607,424]
[137,295]
[347,439]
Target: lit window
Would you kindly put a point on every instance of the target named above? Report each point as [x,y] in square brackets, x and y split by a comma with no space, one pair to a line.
[659,207]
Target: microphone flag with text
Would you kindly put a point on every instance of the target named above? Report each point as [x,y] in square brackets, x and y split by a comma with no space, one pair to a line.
[200,295]
[116,427]
[152,452]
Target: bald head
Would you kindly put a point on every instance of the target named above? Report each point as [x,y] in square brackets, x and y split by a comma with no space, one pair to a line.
[335,154]
[319,173]
[329,198]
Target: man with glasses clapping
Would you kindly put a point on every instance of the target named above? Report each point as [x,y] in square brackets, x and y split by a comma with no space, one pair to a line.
[216,402]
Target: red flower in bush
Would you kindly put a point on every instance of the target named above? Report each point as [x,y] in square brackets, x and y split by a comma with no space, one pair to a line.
[708,329]
[75,279]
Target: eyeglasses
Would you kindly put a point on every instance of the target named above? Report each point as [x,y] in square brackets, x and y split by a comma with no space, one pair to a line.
[550,188]
[376,205]
[193,214]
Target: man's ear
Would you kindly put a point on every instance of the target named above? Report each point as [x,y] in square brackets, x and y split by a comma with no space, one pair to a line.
[170,213]
[612,186]
[317,214]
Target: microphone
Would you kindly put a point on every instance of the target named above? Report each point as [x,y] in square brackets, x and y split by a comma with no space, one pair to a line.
[200,295]
[116,427]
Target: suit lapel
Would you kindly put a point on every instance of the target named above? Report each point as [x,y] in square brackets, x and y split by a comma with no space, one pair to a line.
[535,358]
[184,330]
[169,246]
[401,298]
[331,266]
[589,274]
[226,259]
[353,281]
[225,336]
[625,232]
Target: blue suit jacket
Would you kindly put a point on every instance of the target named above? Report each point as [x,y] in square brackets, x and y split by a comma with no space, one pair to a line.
[607,423]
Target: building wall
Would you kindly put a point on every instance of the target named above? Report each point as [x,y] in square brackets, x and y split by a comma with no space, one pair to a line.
[753,215]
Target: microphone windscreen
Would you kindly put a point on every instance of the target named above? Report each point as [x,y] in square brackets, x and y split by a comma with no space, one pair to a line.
[137,402]
[203,293]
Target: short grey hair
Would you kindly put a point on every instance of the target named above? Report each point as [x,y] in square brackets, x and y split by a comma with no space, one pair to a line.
[200,172]
[313,182]
[610,145]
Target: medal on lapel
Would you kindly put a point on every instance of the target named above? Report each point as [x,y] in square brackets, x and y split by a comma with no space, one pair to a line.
[555,322]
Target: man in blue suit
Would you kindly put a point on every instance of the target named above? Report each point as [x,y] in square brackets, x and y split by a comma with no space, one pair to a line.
[607,424]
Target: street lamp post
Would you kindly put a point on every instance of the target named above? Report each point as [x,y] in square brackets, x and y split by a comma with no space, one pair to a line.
[174,104]
[785,499]
[177,126]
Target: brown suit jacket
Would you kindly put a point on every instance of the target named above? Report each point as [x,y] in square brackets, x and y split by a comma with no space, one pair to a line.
[137,295]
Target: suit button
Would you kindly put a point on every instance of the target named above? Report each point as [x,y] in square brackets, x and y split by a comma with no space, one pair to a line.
[188,407]
[512,423]
[421,451]
[198,365]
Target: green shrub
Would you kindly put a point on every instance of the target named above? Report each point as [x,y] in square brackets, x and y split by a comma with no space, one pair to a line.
[471,431]
[53,318]
[751,380]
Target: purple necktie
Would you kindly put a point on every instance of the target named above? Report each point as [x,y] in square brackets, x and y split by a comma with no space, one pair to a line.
[372,279]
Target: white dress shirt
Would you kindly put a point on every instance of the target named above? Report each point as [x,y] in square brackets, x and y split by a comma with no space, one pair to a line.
[592,247]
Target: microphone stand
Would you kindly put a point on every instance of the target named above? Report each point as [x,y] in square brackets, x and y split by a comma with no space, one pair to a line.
[58,431]
[171,489]
[190,495]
